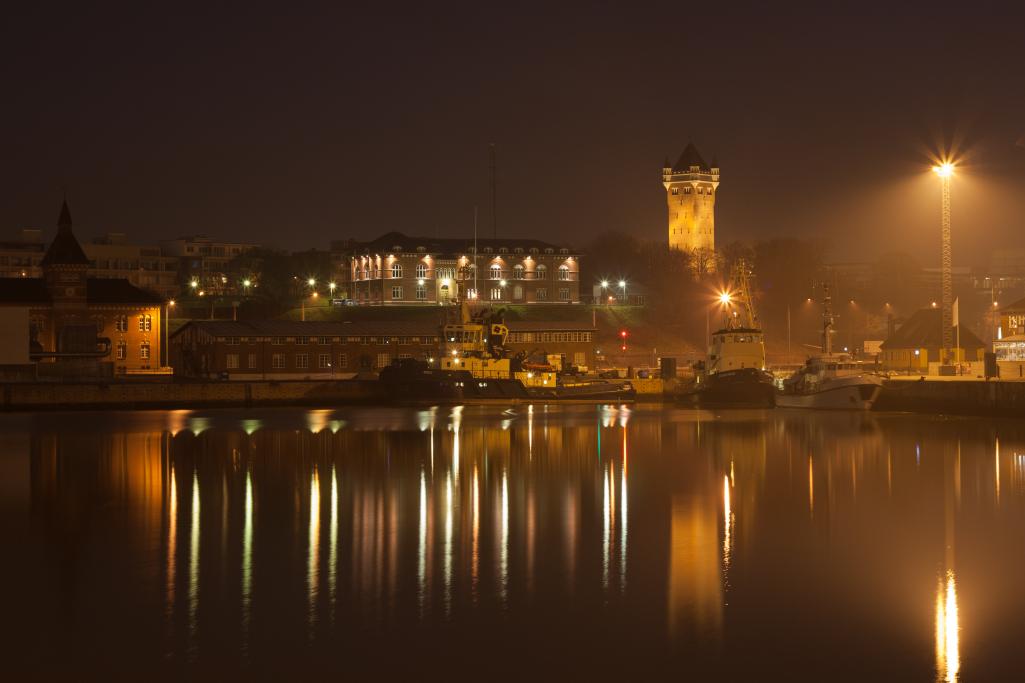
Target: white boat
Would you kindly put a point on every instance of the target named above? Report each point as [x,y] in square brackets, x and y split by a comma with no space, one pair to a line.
[831,381]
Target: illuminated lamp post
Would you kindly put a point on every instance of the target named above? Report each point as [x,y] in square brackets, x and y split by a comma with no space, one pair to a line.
[167,317]
[622,288]
[945,171]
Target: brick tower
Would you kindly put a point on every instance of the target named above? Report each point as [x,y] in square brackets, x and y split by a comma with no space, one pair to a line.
[691,186]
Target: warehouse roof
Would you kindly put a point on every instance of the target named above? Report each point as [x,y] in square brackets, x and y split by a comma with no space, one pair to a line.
[924,330]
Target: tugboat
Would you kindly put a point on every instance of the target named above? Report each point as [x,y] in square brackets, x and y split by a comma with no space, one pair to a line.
[475,365]
[735,374]
[835,381]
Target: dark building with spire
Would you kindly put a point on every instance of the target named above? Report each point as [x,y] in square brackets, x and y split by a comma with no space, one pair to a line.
[78,325]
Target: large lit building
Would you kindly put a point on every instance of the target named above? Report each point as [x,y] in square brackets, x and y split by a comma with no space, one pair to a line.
[84,325]
[691,186]
[396,269]
[112,257]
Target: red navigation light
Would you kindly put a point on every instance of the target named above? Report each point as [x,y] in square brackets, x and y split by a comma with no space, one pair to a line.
[622,334]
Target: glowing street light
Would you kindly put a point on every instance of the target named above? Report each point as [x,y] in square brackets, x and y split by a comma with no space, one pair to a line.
[332,286]
[194,284]
[604,284]
[311,282]
[725,298]
[945,171]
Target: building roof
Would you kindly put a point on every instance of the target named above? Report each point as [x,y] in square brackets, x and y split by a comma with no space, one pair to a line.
[690,157]
[33,291]
[312,328]
[1015,307]
[65,249]
[924,330]
[24,290]
[118,291]
[449,245]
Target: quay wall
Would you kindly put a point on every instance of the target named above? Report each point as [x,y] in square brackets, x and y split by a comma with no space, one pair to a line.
[128,395]
[954,397]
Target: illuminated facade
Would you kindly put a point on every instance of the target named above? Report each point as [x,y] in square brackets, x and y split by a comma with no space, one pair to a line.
[396,269]
[83,324]
[691,186]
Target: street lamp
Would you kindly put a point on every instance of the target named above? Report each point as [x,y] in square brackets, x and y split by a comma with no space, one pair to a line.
[167,315]
[622,286]
[332,286]
[945,170]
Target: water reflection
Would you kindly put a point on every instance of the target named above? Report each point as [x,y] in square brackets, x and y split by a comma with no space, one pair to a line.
[675,529]
[948,651]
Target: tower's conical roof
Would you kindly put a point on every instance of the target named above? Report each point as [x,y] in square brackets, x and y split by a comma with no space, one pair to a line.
[64,249]
[690,157]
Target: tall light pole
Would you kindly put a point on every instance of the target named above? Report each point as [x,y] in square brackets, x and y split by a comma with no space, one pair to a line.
[945,171]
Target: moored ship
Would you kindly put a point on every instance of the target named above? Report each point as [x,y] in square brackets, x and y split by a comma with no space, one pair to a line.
[734,373]
[476,366]
[831,381]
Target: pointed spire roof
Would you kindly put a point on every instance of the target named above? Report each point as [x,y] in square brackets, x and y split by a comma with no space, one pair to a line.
[690,157]
[64,249]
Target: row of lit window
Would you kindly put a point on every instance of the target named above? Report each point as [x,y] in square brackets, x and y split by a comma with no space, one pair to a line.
[495,272]
[303,340]
[301,361]
[121,350]
[145,323]
[536,337]
[687,190]
[491,250]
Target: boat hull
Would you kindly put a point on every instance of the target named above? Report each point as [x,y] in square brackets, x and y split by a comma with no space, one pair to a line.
[848,396]
[742,388]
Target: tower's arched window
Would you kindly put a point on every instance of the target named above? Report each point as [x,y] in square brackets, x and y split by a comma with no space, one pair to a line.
[396,270]
[675,190]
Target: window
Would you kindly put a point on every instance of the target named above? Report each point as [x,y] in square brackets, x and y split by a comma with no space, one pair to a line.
[421,293]
[496,294]
[496,271]
[302,340]
[122,350]
[343,360]
[675,190]
[563,272]
[324,360]
[277,361]
[383,360]
[302,361]
[396,270]
[121,323]
[231,341]
[518,292]
[251,361]
[231,361]
[396,292]
[517,272]
[323,341]
[541,272]
[145,323]
[563,293]
[277,341]
[542,294]
[144,350]
[421,270]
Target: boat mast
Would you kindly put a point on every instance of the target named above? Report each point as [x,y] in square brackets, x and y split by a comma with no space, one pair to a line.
[827,320]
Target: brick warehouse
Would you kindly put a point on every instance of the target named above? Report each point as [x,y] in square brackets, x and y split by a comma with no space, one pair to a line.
[291,349]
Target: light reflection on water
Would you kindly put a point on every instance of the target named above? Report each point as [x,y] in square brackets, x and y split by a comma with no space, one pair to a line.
[690,536]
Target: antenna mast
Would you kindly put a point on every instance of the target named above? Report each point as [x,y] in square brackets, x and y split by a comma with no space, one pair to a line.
[476,294]
[827,320]
[494,191]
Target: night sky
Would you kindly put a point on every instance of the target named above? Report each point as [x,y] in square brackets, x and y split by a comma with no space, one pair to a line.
[294,126]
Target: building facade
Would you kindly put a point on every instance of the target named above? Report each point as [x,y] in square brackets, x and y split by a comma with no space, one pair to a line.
[396,269]
[207,265]
[919,342]
[112,257]
[691,186]
[575,342]
[291,349]
[82,324]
